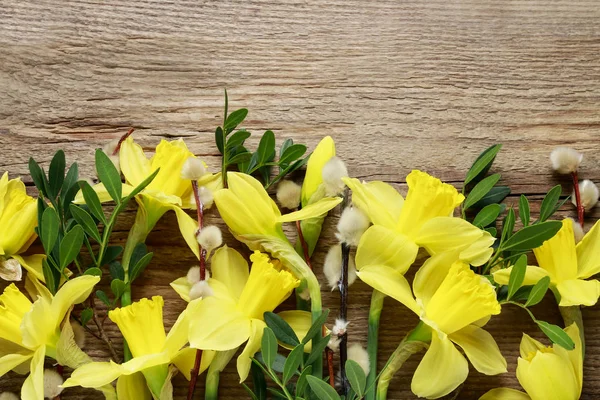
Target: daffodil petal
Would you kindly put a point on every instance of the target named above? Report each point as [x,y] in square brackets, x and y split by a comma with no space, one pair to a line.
[441,370]
[529,345]
[588,263]
[72,292]
[382,246]
[558,255]
[432,273]
[300,321]
[324,151]
[575,355]
[33,387]
[505,394]
[481,349]
[178,335]
[133,387]
[577,292]
[33,264]
[188,227]
[229,267]
[94,375]
[480,251]
[379,200]
[313,210]
[67,351]
[170,158]
[547,376]
[36,288]
[441,234]
[133,161]
[184,361]
[102,193]
[390,282]
[182,286]
[11,361]
[532,275]
[244,360]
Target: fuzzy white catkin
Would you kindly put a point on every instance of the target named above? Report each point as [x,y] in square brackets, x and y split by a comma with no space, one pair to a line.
[565,160]
[577,230]
[334,343]
[206,197]
[8,396]
[193,169]
[200,289]
[352,224]
[340,327]
[288,194]
[52,382]
[210,237]
[589,194]
[78,334]
[357,353]
[193,275]
[332,268]
[10,270]
[333,172]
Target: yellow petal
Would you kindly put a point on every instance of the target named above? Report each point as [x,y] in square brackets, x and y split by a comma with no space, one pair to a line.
[427,198]
[151,209]
[480,251]
[314,168]
[185,359]
[133,387]
[389,282]
[74,291]
[33,264]
[577,292]
[505,394]
[481,349]
[141,324]
[229,267]
[182,286]
[382,246]
[318,209]
[33,387]
[532,275]
[529,345]
[244,360]
[39,325]
[36,289]
[300,321]
[588,263]
[102,193]
[441,234]
[11,361]
[134,164]
[432,273]
[380,201]
[575,355]
[67,351]
[440,371]
[547,376]
[94,375]
[558,255]
[188,227]
[170,158]
[18,218]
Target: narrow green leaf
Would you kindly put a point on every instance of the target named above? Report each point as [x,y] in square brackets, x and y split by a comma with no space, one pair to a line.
[524,212]
[556,334]
[532,236]
[94,271]
[484,161]
[237,138]
[292,153]
[69,182]
[268,347]
[49,229]
[140,266]
[522,294]
[517,276]
[356,377]
[283,332]
[266,148]
[139,251]
[259,382]
[86,316]
[321,389]
[508,225]
[538,291]
[495,195]
[116,270]
[317,349]
[49,276]
[56,173]
[110,254]
[301,383]
[240,158]
[234,119]
[487,215]
[38,176]
[492,231]
[109,175]
[219,139]
[549,202]
[118,287]
[86,221]
[70,246]
[250,392]
[292,363]
[286,143]
[92,201]
[103,297]
[316,327]
[480,190]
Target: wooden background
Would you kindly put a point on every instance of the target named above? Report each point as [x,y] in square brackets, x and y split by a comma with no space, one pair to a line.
[399,85]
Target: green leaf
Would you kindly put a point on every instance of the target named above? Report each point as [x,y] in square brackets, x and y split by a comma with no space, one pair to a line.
[259,382]
[480,190]
[484,161]
[86,221]
[293,362]
[116,270]
[49,229]
[268,347]
[70,246]
[56,173]
[86,316]
[139,251]
[316,327]
[517,275]
[321,389]
[492,231]
[495,195]
[141,186]
[508,225]
[487,216]
[286,143]
[69,188]
[284,333]
[292,153]
[301,383]
[234,119]
[266,148]
[556,334]
[356,377]
[549,202]
[118,287]
[532,236]
[110,254]
[317,349]
[538,291]
[139,267]
[49,276]
[237,138]
[219,139]
[38,176]
[240,158]
[524,212]
[250,392]
[94,271]
[109,175]
[522,293]
[92,201]
[103,297]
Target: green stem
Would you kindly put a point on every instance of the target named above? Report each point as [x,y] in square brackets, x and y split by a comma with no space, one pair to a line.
[570,315]
[222,358]
[372,340]
[407,348]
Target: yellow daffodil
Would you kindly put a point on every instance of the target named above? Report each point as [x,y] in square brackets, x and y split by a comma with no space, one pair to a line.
[424,219]
[18,219]
[234,314]
[568,266]
[546,373]
[452,303]
[141,324]
[29,332]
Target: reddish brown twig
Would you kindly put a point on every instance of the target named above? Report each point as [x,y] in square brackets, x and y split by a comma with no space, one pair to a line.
[121,140]
[580,209]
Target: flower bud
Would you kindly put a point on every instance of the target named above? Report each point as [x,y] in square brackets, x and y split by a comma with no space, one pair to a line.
[340,327]
[210,238]
[332,267]
[10,270]
[333,172]
[589,194]
[288,194]
[565,160]
[577,230]
[352,224]
[8,396]
[200,289]
[52,382]
[193,169]
[357,353]
[78,334]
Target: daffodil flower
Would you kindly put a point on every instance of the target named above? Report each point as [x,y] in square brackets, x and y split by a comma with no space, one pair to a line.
[234,314]
[29,332]
[453,303]
[546,373]
[424,219]
[141,324]
[18,219]
[568,266]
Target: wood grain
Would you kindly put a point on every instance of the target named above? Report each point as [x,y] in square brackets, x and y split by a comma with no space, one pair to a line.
[399,85]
